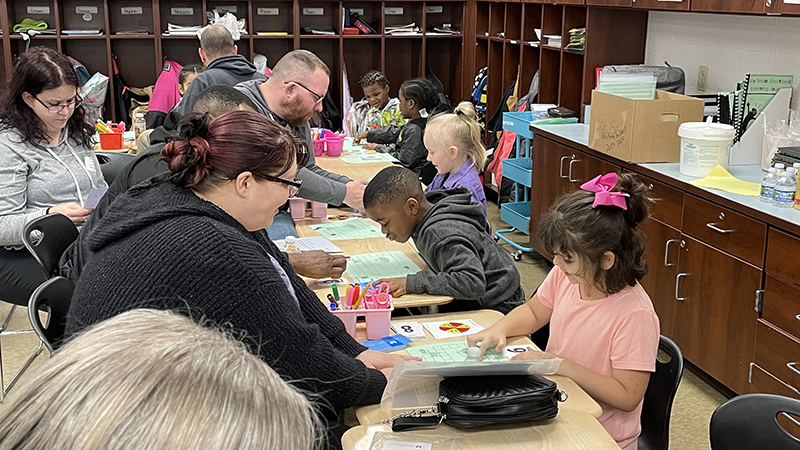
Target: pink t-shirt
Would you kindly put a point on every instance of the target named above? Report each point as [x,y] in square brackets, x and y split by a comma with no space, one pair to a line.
[620,331]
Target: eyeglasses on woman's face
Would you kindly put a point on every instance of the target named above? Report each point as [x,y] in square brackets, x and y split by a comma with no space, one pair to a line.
[57,108]
[294,185]
[317,98]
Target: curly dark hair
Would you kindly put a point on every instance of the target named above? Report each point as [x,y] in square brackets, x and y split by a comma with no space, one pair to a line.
[37,70]
[422,92]
[574,228]
[373,77]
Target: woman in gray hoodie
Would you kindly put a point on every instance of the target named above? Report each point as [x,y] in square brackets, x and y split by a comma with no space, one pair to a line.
[47,165]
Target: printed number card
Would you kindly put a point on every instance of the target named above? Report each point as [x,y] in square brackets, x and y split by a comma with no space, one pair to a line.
[354,228]
[374,266]
[411,330]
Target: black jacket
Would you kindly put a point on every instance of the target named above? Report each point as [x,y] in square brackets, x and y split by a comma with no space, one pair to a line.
[408,148]
[466,263]
[161,246]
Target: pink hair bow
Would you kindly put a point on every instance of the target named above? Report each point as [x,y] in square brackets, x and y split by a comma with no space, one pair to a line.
[601,185]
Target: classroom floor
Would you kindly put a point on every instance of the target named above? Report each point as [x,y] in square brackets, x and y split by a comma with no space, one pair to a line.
[692,409]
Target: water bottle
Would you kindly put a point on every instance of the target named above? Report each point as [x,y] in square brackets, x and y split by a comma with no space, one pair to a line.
[768,185]
[784,190]
[139,124]
[290,243]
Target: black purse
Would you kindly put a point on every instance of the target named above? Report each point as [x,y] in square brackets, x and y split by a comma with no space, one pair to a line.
[474,401]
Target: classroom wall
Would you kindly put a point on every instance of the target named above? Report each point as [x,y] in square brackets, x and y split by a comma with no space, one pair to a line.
[730,45]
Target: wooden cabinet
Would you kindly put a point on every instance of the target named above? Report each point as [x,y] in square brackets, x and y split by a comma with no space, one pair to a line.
[736,6]
[786,8]
[672,5]
[661,256]
[715,314]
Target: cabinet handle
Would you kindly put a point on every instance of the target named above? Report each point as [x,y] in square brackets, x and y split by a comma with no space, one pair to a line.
[677,285]
[569,174]
[769,3]
[561,167]
[714,227]
[792,367]
[666,255]
[797,317]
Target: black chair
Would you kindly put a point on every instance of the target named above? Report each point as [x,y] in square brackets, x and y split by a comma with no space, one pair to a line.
[661,390]
[751,422]
[47,237]
[54,295]
[427,173]
[111,163]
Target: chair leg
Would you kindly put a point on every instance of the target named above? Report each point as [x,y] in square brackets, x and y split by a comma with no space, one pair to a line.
[3,332]
[8,318]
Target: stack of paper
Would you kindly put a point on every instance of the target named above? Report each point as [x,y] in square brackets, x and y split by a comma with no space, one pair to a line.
[181,30]
[553,40]
[81,32]
[577,39]
[637,86]
[400,30]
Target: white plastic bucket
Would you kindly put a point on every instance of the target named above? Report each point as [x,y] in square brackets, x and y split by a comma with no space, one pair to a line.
[703,146]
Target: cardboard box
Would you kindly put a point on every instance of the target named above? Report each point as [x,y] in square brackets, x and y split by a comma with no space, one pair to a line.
[641,131]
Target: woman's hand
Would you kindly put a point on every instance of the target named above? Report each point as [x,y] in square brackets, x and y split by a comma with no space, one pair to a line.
[76,213]
[487,338]
[380,360]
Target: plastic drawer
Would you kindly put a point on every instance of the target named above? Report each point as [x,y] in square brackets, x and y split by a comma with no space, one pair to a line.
[519,170]
[518,215]
[519,122]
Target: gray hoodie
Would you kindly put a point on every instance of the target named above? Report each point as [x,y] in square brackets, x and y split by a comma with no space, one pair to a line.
[454,238]
[319,185]
[36,177]
[223,71]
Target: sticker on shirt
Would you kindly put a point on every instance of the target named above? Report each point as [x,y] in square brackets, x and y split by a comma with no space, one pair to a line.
[94,197]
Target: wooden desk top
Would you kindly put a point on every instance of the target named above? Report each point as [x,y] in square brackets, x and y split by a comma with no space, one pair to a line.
[578,399]
[374,245]
[354,171]
[570,430]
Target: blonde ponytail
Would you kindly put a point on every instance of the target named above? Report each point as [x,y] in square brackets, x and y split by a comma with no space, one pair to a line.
[460,129]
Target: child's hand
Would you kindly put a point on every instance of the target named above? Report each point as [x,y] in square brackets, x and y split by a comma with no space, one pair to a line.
[487,338]
[397,286]
[360,136]
[370,146]
[532,355]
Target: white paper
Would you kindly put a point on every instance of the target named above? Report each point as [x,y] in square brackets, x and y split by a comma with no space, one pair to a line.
[750,147]
[306,244]
[94,197]
[514,350]
[456,327]
[398,445]
[410,330]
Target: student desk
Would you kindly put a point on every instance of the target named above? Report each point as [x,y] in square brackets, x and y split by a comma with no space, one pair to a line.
[576,426]
[374,245]
[354,171]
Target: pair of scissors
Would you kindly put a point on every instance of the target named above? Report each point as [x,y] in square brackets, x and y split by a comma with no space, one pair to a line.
[380,298]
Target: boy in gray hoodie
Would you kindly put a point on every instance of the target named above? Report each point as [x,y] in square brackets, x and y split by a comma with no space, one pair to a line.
[452,236]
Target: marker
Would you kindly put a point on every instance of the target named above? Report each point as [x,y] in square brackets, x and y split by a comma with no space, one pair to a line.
[333,305]
[335,293]
[356,297]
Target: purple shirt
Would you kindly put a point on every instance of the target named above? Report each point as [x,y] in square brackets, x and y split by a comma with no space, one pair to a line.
[466,176]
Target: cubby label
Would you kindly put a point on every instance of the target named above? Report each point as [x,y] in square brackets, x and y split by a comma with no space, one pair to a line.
[130,10]
[86,10]
[268,11]
[38,10]
[313,11]
[433,9]
[393,10]
[181,11]
[231,9]
[359,11]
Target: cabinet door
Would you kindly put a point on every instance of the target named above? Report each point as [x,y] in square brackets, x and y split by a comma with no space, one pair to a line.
[747,6]
[610,2]
[582,168]
[662,4]
[786,8]
[661,255]
[550,162]
[715,319]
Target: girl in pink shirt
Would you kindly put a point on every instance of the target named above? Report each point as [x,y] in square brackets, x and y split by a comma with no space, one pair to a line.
[602,323]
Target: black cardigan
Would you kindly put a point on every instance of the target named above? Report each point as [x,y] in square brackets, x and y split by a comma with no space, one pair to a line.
[161,246]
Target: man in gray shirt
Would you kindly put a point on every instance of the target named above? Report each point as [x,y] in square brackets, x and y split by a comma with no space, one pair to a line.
[290,97]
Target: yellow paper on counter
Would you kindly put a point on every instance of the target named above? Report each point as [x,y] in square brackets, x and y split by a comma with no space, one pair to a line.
[721,179]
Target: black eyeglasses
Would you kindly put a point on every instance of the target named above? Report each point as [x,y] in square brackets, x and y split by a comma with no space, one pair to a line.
[319,98]
[55,109]
[294,185]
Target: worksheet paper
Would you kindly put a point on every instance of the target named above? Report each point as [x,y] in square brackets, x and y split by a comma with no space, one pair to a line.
[370,158]
[374,266]
[457,352]
[354,228]
[306,244]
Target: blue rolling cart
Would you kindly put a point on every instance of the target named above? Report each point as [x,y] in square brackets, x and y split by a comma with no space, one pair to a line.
[519,170]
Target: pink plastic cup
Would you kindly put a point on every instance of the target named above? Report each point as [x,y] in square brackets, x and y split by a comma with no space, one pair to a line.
[335,144]
[319,147]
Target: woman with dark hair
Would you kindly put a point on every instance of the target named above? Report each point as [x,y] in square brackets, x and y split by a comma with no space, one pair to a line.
[196,242]
[47,164]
